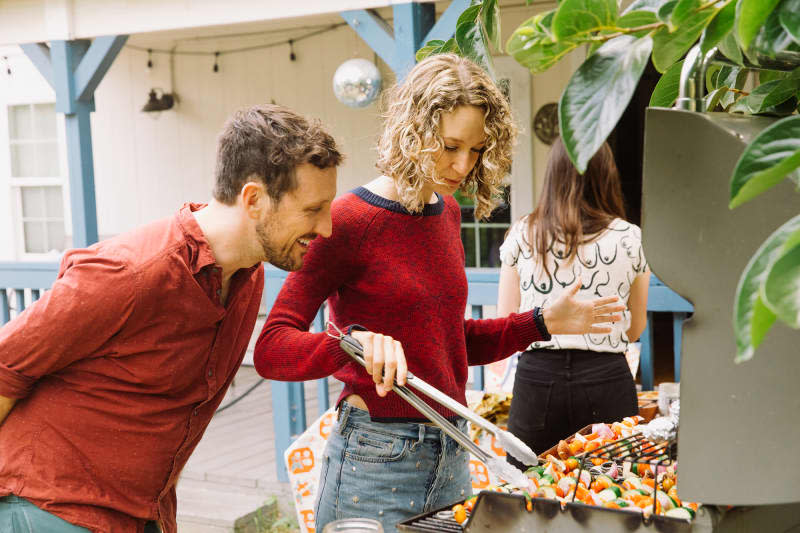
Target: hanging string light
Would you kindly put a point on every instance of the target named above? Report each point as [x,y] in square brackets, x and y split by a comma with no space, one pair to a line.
[8,67]
[217,54]
[149,58]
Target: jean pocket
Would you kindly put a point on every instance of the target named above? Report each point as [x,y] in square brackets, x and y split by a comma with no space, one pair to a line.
[375,447]
[530,403]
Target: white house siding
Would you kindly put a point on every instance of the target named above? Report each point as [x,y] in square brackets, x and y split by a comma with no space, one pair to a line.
[147,165]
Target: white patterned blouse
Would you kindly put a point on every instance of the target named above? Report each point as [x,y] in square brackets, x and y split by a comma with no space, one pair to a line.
[606,266]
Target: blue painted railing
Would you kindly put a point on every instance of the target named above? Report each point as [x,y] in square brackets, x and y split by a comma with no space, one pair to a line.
[21,284]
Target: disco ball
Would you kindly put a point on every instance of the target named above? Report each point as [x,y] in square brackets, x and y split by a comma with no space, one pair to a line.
[357,82]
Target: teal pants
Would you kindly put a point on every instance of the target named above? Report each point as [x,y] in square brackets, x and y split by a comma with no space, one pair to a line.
[18,515]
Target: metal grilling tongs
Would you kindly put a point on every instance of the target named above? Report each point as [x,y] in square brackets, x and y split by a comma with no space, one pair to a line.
[506,440]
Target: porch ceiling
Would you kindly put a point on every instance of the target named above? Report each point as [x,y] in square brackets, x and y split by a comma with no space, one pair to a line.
[158,21]
[266,31]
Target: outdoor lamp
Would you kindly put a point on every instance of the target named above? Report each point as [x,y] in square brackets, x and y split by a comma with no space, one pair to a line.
[158,103]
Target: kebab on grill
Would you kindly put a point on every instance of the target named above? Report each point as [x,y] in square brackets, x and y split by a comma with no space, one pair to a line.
[637,487]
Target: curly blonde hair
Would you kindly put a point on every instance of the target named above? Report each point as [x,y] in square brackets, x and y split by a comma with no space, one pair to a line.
[411,137]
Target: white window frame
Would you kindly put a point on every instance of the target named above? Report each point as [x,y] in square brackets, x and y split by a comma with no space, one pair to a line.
[15,184]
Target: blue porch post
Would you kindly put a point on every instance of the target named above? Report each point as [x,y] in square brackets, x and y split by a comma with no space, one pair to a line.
[414,25]
[74,69]
[662,299]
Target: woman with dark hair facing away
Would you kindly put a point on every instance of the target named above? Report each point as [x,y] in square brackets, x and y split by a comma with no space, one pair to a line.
[394,265]
[576,235]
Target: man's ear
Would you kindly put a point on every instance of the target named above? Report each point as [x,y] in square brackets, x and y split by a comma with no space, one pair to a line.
[254,199]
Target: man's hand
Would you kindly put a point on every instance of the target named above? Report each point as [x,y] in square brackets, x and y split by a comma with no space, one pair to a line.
[570,316]
[5,407]
[384,358]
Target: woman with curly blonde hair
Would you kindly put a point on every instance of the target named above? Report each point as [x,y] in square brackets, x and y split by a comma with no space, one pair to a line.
[394,264]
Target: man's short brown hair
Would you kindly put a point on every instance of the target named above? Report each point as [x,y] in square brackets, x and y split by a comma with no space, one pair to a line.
[269,141]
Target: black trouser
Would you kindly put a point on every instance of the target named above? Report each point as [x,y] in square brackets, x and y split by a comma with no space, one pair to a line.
[557,392]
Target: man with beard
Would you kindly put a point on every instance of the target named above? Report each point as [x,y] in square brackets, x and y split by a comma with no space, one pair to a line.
[108,382]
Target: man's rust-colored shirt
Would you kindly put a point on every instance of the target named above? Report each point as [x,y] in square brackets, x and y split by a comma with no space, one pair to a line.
[118,370]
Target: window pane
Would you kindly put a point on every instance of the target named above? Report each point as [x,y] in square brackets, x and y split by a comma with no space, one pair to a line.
[20,122]
[54,203]
[55,236]
[502,213]
[23,160]
[468,239]
[34,237]
[44,121]
[491,240]
[467,214]
[47,159]
[33,205]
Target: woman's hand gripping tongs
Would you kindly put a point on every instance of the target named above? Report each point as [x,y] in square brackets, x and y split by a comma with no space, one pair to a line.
[506,440]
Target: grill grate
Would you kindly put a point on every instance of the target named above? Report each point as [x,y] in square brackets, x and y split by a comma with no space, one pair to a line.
[439,520]
[637,450]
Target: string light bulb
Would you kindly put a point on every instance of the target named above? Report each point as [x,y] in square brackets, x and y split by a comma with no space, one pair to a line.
[292,56]
[149,59]
[216,61]
[8,67]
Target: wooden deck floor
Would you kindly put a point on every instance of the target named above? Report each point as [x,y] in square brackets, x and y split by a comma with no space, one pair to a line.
[237,453]
[238,447]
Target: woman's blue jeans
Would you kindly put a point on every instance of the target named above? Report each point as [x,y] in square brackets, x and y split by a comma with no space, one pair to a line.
[388,471]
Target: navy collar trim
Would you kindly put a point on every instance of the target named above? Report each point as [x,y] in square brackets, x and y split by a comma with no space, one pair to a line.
[396,207]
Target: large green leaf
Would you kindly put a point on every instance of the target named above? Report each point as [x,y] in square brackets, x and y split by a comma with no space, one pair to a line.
[631,19]
[781,290]
[770,94]
[751,317]
[714,98]
[490,16]
[429,49]
[750,15]
[532,46]
[436,46]
[732,78]
[598,93]
[576,19]
[770,75]
[683,10]
[718,28]
[472,39]
[669,47]
[664,13]
[712,73]
[730,49]
[773,155]
[635,19]
[789,16]
[646,5]
[666,90]
[770,39]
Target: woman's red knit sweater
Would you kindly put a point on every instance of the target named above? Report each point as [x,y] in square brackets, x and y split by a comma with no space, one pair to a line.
[394,273]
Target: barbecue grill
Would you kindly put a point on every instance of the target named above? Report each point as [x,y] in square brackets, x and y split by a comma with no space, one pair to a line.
[739,423]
